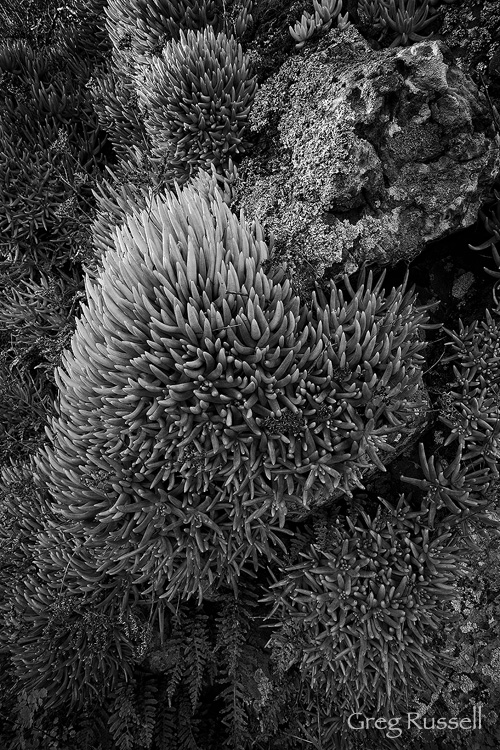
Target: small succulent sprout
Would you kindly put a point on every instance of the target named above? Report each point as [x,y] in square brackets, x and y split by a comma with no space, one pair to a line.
[324,14]
[343,21]
[328,10]
[305,28]
[243,19]
[369,13]
[406,19]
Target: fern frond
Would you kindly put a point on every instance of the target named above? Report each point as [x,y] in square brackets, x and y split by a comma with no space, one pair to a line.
[233,626]
[198,653]
[187,723]
[165,732]
[234,715]
[123,719]
[89,732]
[147,709]
[175,652]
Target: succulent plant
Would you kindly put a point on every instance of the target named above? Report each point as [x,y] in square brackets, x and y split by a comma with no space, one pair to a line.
[144,26]
[407,18]
[116,103]
[195,100]
[460,494]
[42,153]
[213,400]
[356,616]
[370,14]
[471,409]
[491,221]
[62,634]
[240,18]
[496,257]
[325,12]
[462,489]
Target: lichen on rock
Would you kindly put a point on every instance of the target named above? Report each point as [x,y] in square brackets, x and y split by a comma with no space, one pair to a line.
[364,155]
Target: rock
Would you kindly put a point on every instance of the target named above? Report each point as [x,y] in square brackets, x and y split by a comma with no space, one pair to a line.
[363,155]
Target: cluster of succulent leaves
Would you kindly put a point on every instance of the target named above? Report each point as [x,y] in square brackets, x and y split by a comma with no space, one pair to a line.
[405,19]
[198,412]
[51,150]
[325,13]
[359,605]
[463,485]
[474,643]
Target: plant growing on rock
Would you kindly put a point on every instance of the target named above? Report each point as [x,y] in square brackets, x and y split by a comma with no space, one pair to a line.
[196,99]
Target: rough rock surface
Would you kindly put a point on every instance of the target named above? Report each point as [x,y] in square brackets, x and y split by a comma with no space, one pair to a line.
[365,155]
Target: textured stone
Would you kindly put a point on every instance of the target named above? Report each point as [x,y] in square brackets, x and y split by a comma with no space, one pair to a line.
[365,155]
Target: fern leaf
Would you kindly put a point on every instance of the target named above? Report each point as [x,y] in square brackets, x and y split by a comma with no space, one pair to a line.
[175,652]
[147,705]
[123,718]
[165,733]
[186,724]
[197,653]
[234,715]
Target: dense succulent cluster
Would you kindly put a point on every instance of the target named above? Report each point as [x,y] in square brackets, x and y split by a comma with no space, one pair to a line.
[144,26]
[50,147]
[459,491]
[130,187]
[182,51]
[461,488]
[471,409]
[59,630]
[407,19]
[186,361]
[196,99]
[357,612]
[39,170]
[116,103]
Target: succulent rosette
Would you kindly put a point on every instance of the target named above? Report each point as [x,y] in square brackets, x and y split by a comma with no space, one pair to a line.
[212,401]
